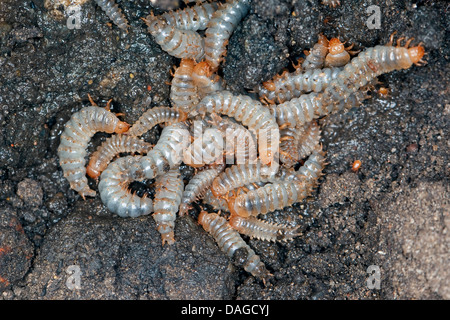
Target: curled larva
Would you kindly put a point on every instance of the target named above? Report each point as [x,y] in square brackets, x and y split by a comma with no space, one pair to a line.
[183,91]
[250,113]
[316,57]
[262,230]
[298,143]
[75,138]
[338,55]
[220,28]
[198,186]
[154,116]
[191,18]
[282,193]
[230,242]
[114,192]
[240,175]
[205,80]
[169,189]
[113,11]
[112,147]
[287,86]
[178,43]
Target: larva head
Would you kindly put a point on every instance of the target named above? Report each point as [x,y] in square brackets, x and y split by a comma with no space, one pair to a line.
[335,46]
[416,54]
[323,40]
[269,85]
[121,127]
[91,172]
[188,64]
[235,209]
[203,218]
[203,69]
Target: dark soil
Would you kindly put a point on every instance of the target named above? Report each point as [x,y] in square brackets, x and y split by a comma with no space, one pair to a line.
[392,214]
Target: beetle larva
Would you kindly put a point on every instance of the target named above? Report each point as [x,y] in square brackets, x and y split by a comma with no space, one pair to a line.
[178,43]
[292,85]
[154,116]
[205,80]
[316,57]
[230,242]
[197,187]
[110,148]
[338,55]
[220,28]
[75,138]
[262,230]
[183,91]
[113,11]
[206,149]
[282,193]
[250,113]
[298,143]
[113,189]
[191,18]
[169,188]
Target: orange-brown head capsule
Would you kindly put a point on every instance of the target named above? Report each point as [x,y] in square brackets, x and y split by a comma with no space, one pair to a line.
[203,69]
[91,172]
[356,165]
[270,85]
[335,46]
[121,127]
[416,54]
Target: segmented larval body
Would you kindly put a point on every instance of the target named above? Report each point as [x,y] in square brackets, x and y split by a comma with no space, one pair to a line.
[197,187]
[240,175]
[331,3]
[154,116]
[166,154]
[205,80]
[113,11]
[74,140]
[206,149]
[262,230]
[230,242]
[215,202]
[220,28]
[298,143]
[112,147]
[114,192]
[176,42]
[316,57]
[169,189]
[292,85]
[282,193]
[183,91]
[250,113]
[191,18]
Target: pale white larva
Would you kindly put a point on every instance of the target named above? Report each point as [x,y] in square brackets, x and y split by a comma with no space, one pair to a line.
[113,11]
[183,90]
[78,131]
[191,18]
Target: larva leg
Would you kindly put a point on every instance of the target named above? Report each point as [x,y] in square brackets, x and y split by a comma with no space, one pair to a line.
[230,242]
[169,189]
[75,138]
[112,147]
[113,11]
[262,230]
[154,116]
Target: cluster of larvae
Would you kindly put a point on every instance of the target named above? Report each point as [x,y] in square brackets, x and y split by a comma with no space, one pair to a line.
[244,149]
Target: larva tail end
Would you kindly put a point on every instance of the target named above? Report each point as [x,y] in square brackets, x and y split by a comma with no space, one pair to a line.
[122,127]
[416,54]
[168,238]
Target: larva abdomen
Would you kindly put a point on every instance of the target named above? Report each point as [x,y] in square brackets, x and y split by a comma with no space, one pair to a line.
[205,80]
[169,189]
[154,116]
[183,91]
[230,242]
[191,18]
[75,138]
[113,189]
[262,230]
[113,11]
[317,54]
[112,147]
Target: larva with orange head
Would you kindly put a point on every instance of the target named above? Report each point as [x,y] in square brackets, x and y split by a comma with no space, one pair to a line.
[262,230]
[176,42]
[113,11]
[191,18]
[205,80]
[183,91]
[338,55]
[169,189]
[282,193]
[231,243]
[112,147]
[74,140]
[154,116]
[316,57]
[219,30]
